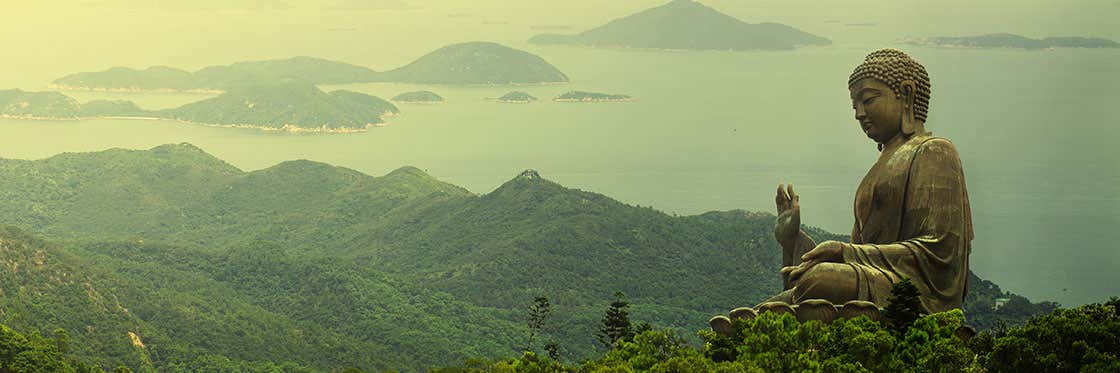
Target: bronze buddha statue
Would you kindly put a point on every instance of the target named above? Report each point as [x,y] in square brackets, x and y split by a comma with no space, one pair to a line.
[912,216]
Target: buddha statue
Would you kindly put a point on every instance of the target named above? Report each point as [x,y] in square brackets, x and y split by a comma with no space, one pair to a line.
[912,217]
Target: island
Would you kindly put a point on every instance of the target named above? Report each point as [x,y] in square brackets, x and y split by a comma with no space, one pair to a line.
[687,25]
[1006,40]
[472,63]
[515,97]
[19,104]
[477,63]
[112,108]
[581,96]
[292,106]
[215,79]
[419,97]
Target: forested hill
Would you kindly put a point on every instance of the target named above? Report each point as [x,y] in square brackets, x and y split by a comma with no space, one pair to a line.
[688,25]
[401,269]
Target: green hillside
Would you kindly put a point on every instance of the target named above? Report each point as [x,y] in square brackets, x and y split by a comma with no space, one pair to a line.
[689,25]
[400,270]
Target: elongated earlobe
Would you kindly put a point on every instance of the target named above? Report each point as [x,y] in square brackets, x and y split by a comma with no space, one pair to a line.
[909,121]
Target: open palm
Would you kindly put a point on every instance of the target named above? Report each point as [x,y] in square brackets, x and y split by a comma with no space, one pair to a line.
[789,214]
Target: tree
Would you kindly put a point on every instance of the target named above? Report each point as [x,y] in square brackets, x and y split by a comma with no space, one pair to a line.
[615,325]
[538,313]
[62,340]
[904,306]
[553,350]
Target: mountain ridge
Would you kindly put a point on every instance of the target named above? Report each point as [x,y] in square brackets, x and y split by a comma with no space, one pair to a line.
[375,260]
[476,62]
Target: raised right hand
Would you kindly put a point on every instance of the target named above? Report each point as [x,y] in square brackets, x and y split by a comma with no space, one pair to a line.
[789,214]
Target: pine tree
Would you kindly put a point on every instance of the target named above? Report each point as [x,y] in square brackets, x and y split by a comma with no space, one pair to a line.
[904,306]
[615,325]
[538,313]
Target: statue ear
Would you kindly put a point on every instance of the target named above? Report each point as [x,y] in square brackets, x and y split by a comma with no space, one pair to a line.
[909,123]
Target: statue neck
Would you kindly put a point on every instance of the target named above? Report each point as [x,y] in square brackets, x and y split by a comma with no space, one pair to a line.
[893,143]
[901,138]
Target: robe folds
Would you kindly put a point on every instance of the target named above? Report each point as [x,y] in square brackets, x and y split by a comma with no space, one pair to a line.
[913,221]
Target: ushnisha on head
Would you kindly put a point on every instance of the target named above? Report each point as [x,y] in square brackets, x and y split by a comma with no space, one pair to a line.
[895,68]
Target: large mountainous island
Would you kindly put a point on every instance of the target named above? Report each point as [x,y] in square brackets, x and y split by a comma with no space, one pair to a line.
[687,25]
[170,259]
[293,106]
[464,63]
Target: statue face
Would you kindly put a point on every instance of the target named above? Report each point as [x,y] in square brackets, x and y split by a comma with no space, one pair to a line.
[878,110]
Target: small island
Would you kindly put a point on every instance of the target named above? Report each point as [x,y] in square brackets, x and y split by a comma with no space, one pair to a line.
[581,96]
[686,25]
[515,97]
[112,108]
[292,106]
[419,97]
[19,104]
[1005,40]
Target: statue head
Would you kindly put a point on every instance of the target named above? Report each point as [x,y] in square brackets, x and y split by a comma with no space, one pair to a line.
[890,94]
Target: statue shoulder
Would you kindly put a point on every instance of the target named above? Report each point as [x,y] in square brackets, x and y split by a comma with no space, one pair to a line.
[930,145]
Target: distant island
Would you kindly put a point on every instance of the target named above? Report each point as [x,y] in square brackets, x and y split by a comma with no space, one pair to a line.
[477,63]
[465,63]
[293,106]
[111,108]
[581,96]
[418,97]
[19,104]
[1005,40]
[515,97]
[687,25]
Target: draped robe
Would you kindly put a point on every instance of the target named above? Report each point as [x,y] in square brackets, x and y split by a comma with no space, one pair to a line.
[913,220]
